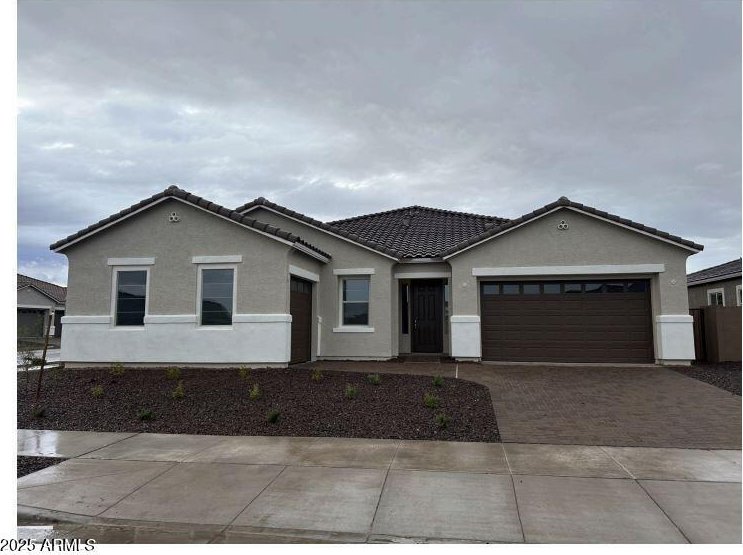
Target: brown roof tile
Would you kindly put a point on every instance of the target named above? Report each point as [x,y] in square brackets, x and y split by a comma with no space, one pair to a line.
[56,292]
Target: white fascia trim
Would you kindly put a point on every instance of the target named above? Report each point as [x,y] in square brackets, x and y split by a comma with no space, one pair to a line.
[86,319]
[465,318]
[353,272]
[602,269]
[651,235]
[309,252]
[353,329]
[226,259]
[147,207]
[304,274]
[130,261]
[422,275]
[252,318]
[36,306]
[714,279]
[170,319]
[318,228]
[674,318]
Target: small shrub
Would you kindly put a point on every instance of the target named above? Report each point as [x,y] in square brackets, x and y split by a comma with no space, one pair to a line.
[179,392]
[438,381]
[374,379]
[430,400]
[38,412]
[96,391]
[316,375]
[173,373]
[244,372]
[351,391]
[442,420]
[117,369]
[255,392]
[144,414]
[273,416]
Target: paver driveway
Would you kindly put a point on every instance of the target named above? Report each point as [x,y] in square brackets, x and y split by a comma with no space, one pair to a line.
[648,406]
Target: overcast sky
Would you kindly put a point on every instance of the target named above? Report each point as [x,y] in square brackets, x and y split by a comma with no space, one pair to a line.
[337,109]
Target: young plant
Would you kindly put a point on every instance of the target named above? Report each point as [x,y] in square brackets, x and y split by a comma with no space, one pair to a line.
[244,372]
[442,420]
[374,379]
[316,375]
[438,381]
[430,400]
[173,373]
[273,416]
[351,391]
[179,392]
[255,392]
[144,414]
[96,391]
[117,369]
[38,412]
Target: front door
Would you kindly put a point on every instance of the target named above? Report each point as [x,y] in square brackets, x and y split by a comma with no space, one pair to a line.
[427,315]
[300,307]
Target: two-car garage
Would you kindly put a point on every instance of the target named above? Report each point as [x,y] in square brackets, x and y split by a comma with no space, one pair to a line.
[567,321]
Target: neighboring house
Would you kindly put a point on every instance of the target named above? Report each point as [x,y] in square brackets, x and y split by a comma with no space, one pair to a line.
[719,285]
[36,300]
[176,278]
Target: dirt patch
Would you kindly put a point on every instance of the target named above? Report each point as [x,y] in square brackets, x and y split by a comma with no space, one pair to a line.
[218,401]
[27,465]
[725,375]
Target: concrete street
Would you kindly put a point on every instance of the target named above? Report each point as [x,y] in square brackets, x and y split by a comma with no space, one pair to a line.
[121,488]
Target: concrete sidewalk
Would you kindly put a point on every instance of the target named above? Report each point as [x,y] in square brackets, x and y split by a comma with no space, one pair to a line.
[120,488]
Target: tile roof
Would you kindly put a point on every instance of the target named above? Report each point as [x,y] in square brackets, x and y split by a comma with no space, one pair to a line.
[418,231]
[716,273]
[55,292]
[566,202]
[175,192]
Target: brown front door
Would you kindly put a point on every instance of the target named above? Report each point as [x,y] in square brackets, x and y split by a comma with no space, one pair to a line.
[300,307]
[427,298]
[569,321]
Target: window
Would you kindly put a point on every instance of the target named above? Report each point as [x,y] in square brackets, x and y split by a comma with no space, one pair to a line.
[355,301]
[510,288]
[490,288]
[573,287]
[131,297]
[217,296]
[738,296]
[551,288]
[531,289]
[715,297]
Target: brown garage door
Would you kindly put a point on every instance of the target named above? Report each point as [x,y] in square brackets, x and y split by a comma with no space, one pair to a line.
[300,307]
[568,321]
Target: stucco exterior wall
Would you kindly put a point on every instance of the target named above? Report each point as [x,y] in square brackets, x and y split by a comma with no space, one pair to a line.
[698,293]
[382,342]
[30,297]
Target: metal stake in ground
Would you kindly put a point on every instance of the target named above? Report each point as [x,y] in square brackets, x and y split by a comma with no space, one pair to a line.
[43,360]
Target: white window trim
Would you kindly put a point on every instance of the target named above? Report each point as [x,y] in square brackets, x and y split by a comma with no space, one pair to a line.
[350,328]
[713,291]
[114,294]
[130,261]
[209,266]
[353,272]
[738,295]
[226,259]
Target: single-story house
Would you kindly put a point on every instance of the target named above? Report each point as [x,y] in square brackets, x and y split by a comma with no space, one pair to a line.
[719,285]
[177,279]
[37,299]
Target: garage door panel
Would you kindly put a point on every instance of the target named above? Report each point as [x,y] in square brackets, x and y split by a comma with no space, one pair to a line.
[584,326]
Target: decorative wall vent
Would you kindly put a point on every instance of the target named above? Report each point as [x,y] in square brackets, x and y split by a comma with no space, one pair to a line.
[174,218]
[563,225]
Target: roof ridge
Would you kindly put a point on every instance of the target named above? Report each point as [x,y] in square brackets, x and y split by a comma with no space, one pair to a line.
[417,207]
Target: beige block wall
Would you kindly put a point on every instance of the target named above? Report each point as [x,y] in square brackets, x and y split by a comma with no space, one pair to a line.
[383,342]
[262,277]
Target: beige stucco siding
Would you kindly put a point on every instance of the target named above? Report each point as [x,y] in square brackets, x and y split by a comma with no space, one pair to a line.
[262,277]
[698,293]
[382,343]
[587,241]
[30,297]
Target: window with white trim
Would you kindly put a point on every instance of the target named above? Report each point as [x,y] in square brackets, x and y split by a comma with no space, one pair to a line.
[355,301]
[716,297]
[131,297]
[216,303]
[738,295]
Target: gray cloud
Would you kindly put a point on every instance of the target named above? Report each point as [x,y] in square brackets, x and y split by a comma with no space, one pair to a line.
[338,109]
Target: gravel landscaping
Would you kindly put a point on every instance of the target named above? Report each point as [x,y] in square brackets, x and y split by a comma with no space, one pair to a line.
[27,465]
[229,402]
[725,375]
